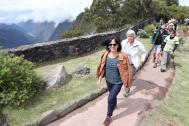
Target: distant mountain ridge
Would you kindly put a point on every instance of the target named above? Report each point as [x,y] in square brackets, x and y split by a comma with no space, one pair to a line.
[13,36]
[42,31]
[62,27]
[30,32]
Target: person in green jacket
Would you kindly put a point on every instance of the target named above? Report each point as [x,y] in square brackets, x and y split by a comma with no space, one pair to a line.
[157,41]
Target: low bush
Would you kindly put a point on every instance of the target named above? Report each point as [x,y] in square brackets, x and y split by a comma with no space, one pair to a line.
[72,33]
[18,81]
[149,29]
[142,33]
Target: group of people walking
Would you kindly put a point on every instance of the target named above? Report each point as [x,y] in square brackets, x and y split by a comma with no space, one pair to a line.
[165,42]
[118,65]
[122,58]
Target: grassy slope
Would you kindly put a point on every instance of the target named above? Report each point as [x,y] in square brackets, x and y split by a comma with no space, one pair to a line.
[75,88]
[174,110]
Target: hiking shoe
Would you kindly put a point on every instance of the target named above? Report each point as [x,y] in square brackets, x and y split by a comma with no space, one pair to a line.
[107,121]
[126,92]
[155,65]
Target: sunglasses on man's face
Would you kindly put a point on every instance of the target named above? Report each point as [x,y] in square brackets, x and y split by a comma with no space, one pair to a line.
[112,44]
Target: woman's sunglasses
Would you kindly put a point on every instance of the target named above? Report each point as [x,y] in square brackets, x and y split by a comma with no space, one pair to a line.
[112,44]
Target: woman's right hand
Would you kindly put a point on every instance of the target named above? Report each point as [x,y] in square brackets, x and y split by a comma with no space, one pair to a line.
[98,83]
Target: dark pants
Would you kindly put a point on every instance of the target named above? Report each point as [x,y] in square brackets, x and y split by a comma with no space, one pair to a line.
[113,89]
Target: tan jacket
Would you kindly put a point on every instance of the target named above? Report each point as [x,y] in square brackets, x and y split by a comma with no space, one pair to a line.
[123,67]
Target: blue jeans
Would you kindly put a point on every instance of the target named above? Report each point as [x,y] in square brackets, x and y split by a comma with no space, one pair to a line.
[113,89]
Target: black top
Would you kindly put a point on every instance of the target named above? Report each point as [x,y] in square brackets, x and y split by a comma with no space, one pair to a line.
[159,39]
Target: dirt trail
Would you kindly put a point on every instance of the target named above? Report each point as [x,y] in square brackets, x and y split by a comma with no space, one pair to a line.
[149,86]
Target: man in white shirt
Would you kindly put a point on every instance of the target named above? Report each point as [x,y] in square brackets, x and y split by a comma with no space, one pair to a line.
[135,51]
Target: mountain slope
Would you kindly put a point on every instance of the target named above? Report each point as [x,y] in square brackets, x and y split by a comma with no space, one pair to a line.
[60,29]
[40,30]
[13,37]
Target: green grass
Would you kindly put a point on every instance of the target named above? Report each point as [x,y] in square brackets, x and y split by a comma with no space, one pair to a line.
[71,63]
[182,26]
[174,110]
[146,42]
[74,89]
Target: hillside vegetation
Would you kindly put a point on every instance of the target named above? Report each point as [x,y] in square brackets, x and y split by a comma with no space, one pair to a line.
[105,15]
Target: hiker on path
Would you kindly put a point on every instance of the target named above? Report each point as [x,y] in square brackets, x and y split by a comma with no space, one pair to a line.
[115,67]
[186,21]
[160,23]
[135,51]
[170,26]
[157,41]
[174,22]
[171,44]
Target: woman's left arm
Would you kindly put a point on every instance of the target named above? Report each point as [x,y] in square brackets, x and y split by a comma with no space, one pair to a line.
[128,70]
[130,74]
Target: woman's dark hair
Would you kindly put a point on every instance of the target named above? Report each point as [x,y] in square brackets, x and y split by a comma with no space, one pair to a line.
[117,41]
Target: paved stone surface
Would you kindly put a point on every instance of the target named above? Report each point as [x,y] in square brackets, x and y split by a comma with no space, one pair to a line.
[149,86]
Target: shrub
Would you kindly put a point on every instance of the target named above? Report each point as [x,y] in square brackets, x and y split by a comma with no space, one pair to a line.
[149,29]
[142,33]
[18,81]
[72,33]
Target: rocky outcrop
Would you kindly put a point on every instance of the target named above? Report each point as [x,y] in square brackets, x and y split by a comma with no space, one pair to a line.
[81,71]
[56,77]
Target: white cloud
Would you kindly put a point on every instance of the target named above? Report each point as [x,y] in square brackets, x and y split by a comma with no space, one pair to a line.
[184,2]
[3,18]
[40,10]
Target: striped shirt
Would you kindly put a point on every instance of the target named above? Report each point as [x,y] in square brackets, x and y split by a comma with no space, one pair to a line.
[112,73]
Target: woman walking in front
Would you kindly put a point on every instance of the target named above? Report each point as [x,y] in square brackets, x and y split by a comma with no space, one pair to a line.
[115,67]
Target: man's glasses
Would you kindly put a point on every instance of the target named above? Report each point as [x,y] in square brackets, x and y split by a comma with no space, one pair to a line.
[112,44]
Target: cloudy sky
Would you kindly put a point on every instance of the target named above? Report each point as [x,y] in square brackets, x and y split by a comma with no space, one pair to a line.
[184,2]
[40,10]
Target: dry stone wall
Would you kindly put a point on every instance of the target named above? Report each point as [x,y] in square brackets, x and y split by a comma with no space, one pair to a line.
[42,52]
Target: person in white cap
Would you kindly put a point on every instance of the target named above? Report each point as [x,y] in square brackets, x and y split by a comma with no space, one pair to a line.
[172,42]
